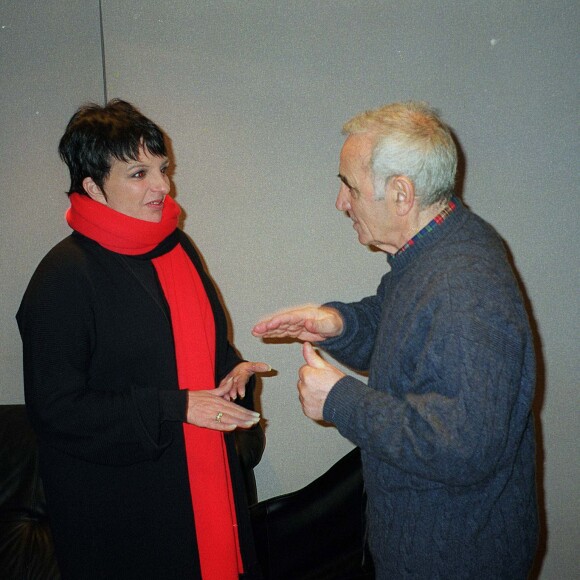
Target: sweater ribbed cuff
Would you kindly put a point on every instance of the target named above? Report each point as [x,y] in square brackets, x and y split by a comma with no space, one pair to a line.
[341,402]
[349,328]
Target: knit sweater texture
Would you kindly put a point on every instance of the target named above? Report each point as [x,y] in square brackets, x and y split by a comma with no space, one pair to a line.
[444,423]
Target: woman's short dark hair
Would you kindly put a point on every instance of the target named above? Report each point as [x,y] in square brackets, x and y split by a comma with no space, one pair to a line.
[96,135]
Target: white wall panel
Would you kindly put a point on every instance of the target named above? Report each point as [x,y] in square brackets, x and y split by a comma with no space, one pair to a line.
[50,62]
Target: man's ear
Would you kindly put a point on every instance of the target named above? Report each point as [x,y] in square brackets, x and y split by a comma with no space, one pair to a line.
[94,191]
[404,191]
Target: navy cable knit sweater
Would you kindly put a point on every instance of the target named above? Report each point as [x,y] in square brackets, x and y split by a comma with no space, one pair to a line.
[445,423]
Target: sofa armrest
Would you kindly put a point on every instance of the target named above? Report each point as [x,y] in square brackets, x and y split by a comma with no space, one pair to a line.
[26,547]
[317,532]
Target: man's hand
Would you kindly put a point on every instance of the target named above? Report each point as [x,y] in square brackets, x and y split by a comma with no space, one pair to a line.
[210,409]
[315,379]
[306,323]
[238,378]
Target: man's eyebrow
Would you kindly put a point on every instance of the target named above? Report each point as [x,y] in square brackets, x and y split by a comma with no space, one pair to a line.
[345,181]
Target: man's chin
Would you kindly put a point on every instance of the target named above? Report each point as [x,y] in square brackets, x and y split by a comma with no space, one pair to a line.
[375,246]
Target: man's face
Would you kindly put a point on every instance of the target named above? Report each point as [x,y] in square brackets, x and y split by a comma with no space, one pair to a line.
[372,218]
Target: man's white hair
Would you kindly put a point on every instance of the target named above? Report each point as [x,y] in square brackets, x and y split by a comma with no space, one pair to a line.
[411,140]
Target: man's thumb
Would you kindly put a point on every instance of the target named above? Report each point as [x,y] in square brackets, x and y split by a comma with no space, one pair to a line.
[312,358]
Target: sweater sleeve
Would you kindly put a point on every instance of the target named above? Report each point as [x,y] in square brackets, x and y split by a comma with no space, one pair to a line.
[443,408]
[354,346]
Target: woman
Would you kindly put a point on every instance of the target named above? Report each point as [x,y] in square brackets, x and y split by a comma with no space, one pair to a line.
[124,342]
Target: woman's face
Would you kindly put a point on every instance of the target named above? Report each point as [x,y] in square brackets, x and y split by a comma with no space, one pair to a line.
[135,188]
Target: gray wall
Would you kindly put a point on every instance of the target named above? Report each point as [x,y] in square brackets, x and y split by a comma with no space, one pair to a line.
[253,95]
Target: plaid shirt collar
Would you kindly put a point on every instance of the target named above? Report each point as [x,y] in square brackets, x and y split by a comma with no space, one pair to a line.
[433,224]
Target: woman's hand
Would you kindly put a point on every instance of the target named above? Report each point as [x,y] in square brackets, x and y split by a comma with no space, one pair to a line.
[210,409]
[238,378]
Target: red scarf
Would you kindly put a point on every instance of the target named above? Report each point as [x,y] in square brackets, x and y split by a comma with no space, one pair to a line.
[194,333]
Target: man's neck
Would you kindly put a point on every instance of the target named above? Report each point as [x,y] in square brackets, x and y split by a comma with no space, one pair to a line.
[416,223]
[427,215]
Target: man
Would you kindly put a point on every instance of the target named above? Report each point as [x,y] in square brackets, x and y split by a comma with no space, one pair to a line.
[445,423]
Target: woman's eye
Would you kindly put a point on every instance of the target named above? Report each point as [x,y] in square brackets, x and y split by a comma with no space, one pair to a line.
[139,174]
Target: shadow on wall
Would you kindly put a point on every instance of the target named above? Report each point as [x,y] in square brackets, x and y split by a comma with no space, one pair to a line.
[537,407]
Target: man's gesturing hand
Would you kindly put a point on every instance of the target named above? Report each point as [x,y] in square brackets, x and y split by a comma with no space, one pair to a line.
[307,323]
[315,379]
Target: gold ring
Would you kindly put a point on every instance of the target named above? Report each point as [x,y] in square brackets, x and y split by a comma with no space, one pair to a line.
[219,416]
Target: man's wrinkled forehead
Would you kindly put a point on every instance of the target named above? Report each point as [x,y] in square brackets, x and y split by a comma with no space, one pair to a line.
[357,152]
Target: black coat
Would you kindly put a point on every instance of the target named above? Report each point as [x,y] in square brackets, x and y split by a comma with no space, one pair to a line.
[100,378]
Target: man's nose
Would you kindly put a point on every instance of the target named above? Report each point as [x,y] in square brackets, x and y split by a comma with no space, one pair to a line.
[342,203]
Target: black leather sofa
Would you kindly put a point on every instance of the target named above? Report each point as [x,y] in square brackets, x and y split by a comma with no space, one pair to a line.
[315,533]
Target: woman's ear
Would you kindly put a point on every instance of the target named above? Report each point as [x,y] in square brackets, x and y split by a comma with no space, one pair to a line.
[94,191]
[404,190]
